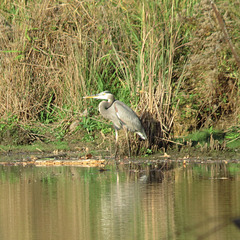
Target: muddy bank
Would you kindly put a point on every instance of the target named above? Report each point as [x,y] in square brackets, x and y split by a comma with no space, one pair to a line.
[101,158]
[39,141]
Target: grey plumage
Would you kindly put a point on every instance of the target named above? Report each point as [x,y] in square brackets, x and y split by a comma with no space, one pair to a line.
[119,113]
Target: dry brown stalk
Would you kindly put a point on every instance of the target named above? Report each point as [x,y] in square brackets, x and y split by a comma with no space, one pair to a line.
[225,32]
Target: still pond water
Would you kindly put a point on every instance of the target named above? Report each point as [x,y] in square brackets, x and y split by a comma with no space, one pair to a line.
[193,201]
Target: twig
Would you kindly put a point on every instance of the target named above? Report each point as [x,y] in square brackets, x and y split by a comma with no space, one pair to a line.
[233,140]
[167,140]
[225,32]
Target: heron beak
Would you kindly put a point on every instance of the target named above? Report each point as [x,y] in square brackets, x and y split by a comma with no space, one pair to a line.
[91,96]
[97,96]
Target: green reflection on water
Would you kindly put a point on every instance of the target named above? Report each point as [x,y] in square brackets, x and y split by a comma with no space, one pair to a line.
[135,202]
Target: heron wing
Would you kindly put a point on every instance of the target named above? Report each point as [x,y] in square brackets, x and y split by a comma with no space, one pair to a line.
[127,117]
[110,113]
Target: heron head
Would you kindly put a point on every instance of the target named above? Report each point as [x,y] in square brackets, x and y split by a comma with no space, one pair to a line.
[102,95]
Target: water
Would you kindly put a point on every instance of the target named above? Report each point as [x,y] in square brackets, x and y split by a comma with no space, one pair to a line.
[196,201]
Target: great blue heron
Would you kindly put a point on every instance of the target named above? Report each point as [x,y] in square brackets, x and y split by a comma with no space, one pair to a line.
[122,116]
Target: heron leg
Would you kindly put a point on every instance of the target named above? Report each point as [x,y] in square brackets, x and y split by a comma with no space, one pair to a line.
[116,145]
[128,143]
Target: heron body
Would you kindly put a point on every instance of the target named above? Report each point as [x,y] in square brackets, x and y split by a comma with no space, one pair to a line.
[122,116]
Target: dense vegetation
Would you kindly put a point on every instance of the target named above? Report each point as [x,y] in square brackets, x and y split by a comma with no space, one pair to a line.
[168,60]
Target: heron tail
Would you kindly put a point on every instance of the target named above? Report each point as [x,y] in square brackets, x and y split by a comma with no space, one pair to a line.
[142,135]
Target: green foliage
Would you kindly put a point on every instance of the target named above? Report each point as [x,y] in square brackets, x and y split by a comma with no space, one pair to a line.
[204,136]
[148,152]
[8,123]
[233,137]
[48,115]
[9,129]
[152,55]
[93,126]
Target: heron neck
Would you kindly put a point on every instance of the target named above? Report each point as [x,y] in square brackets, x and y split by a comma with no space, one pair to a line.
[104,106]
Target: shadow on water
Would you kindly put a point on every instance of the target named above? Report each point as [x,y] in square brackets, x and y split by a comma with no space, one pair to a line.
[155,173]
[158,200]
[148,172]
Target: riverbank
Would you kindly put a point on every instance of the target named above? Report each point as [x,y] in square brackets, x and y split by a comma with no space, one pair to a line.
[43,140]
[170,61]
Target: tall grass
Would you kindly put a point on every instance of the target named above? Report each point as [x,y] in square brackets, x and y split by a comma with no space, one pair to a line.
[53,53]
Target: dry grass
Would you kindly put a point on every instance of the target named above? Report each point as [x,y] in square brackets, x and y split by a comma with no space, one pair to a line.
[53,53]
[209,93]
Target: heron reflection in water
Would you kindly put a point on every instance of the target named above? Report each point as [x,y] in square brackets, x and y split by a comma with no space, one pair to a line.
[122,116]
